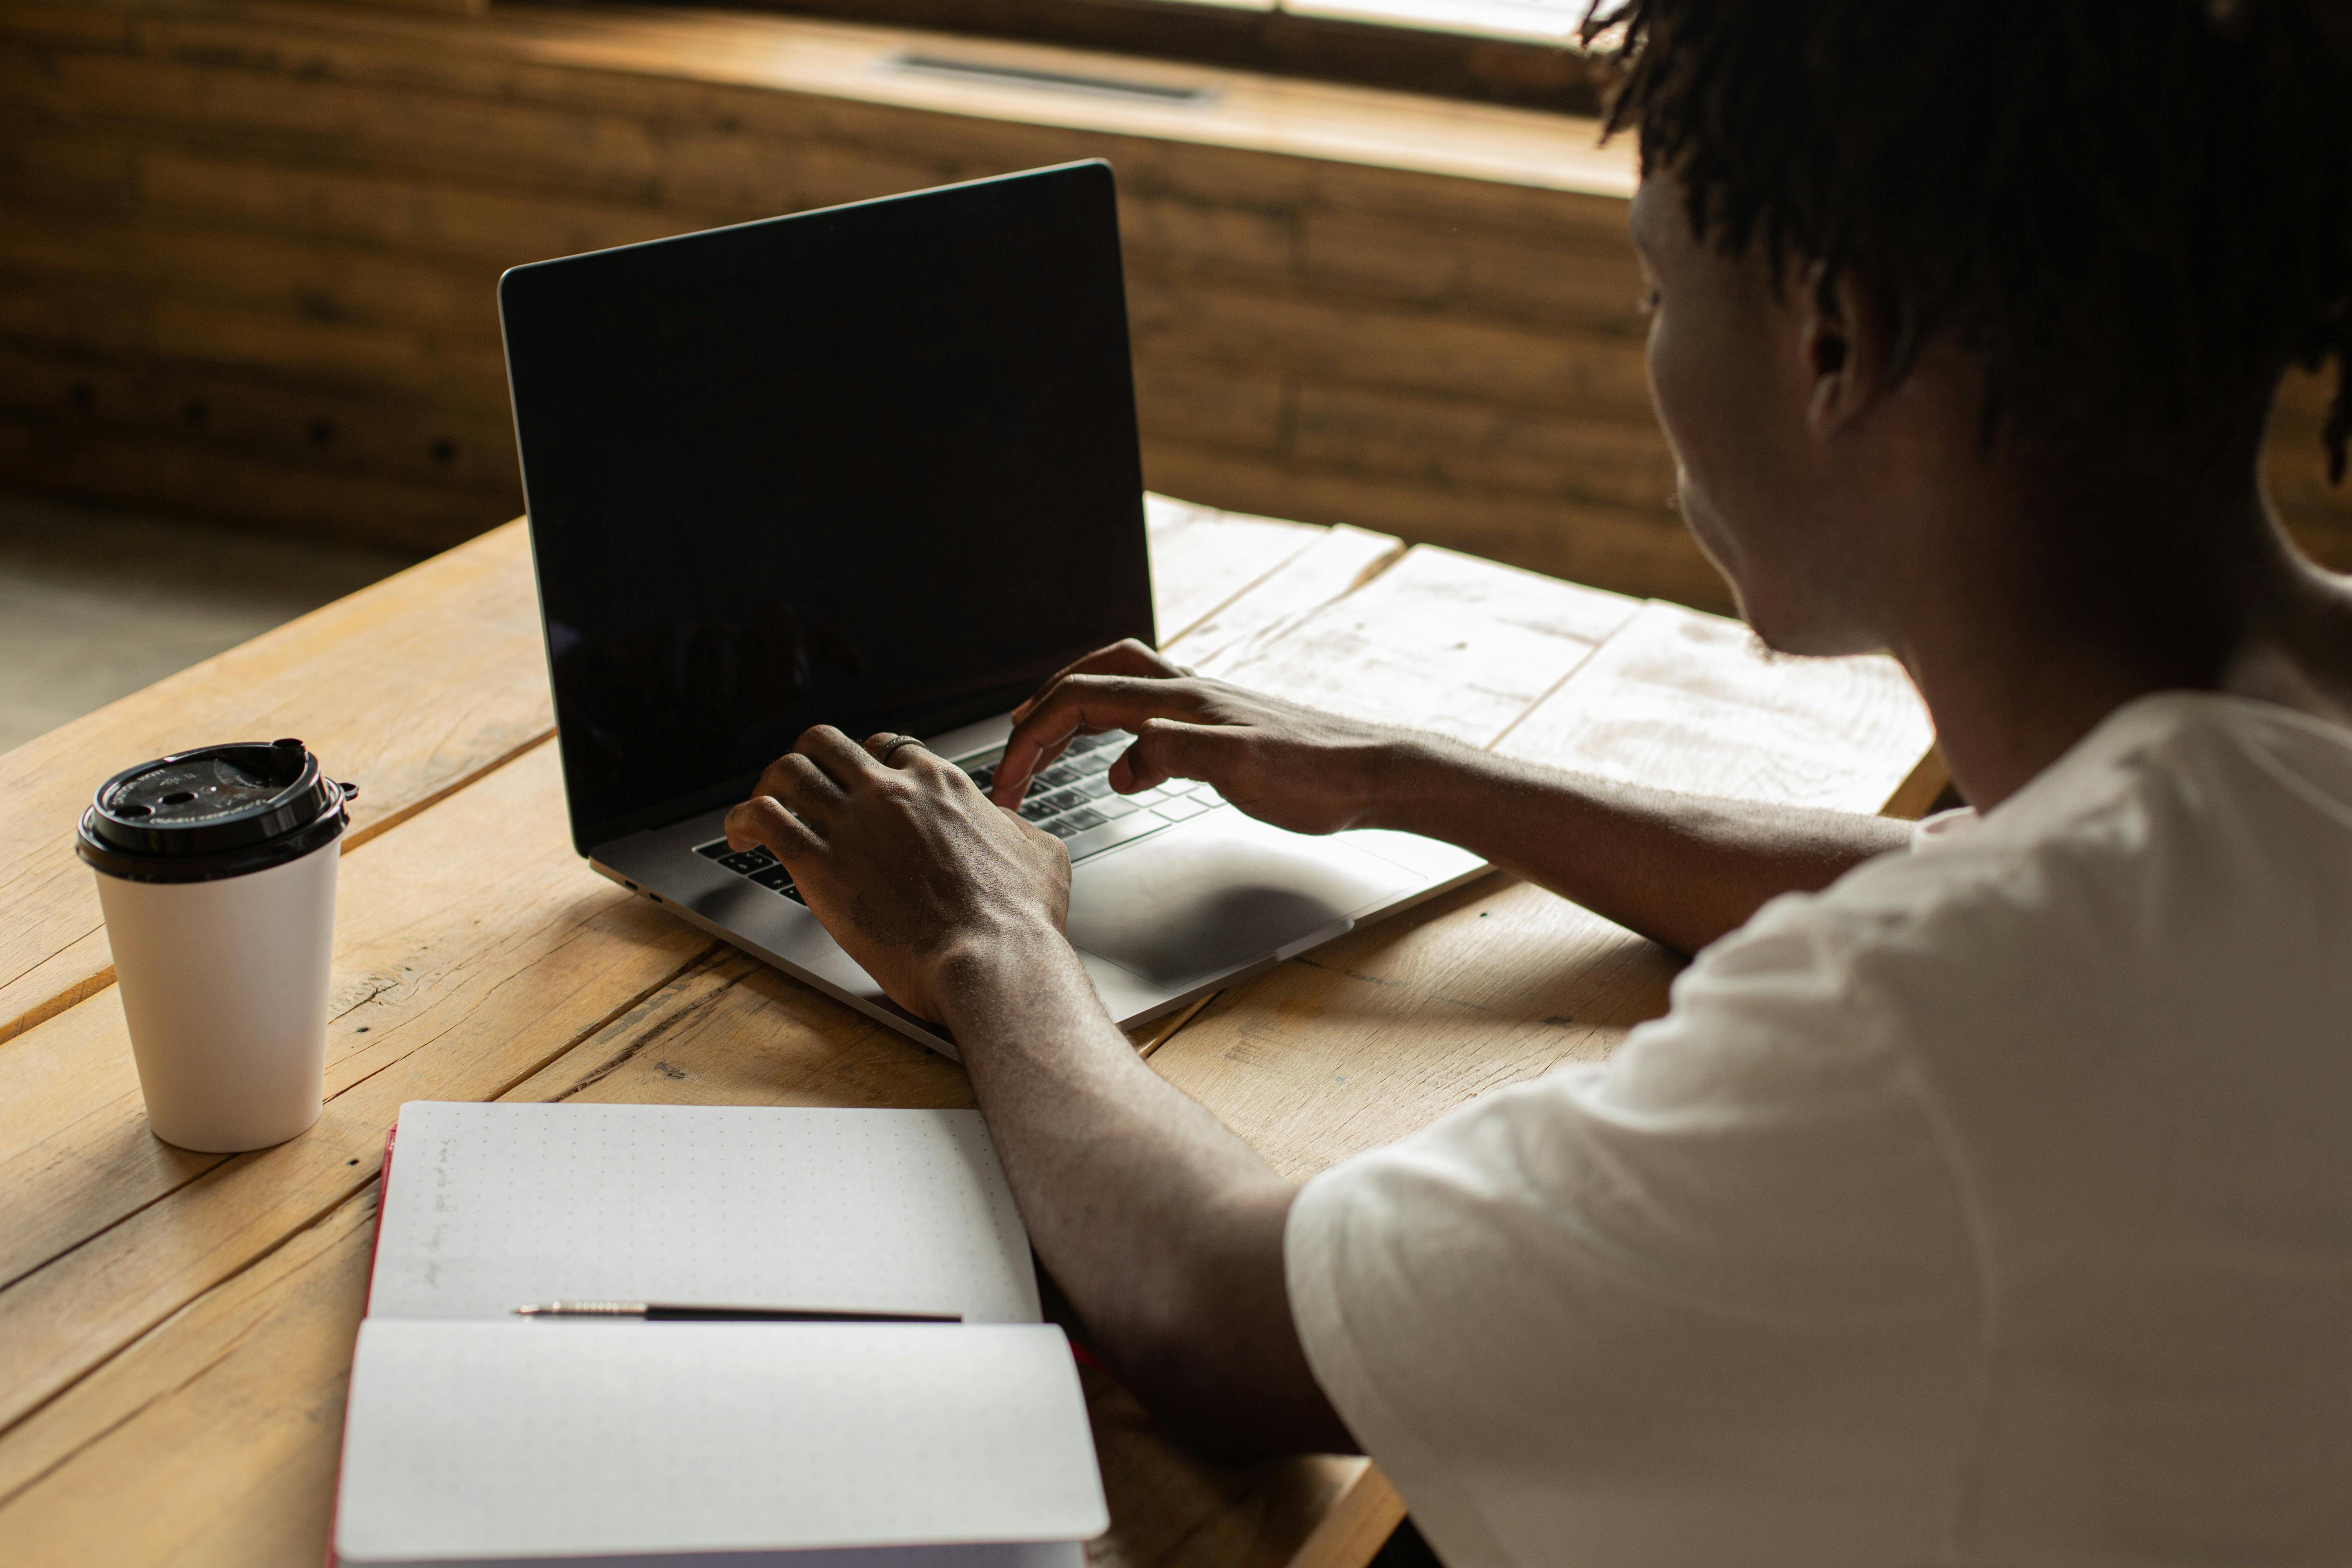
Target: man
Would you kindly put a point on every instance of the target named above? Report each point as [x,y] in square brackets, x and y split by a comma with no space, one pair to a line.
[1985,1201]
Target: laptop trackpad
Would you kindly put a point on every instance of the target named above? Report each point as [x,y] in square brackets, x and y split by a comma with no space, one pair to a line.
[1223,891]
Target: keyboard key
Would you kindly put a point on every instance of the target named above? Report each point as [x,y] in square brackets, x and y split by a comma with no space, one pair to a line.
[1207,796]
[1095,788]
[982,776]
[1061,775]
[1063,800]
[1115,806]
[1034,810]
[1081,819]
[714,849]
[1092,763]
[774,876]
[1060,827]
[744,862]
[1178,810]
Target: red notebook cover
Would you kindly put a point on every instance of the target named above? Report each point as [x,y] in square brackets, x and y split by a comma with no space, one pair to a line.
[383,1188]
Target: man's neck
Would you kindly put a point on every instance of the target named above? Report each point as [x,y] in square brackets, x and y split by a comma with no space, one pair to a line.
[2019,657]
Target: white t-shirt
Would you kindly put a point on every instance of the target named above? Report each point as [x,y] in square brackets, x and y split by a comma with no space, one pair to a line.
[1992,1206]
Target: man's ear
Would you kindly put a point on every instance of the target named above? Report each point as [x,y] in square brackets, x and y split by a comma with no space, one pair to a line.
[1837,339]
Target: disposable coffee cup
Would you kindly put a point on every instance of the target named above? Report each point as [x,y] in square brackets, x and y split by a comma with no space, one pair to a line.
[216,872]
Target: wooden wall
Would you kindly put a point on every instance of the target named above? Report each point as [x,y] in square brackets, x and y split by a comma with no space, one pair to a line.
[247,254]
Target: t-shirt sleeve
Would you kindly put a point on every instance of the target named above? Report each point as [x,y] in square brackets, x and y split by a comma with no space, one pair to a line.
[1715,1299]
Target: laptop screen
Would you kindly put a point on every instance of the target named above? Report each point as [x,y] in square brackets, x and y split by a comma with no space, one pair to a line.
[874,467]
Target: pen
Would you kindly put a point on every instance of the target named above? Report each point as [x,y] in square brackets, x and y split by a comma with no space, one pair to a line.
[663,1311]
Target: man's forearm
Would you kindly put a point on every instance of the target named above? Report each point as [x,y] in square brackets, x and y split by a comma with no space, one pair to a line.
[1161,1226]
[1682,869]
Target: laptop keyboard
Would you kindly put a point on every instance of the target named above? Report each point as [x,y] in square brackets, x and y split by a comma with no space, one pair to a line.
[1072,800]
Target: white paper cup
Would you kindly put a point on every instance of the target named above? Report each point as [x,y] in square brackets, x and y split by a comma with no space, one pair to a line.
[217,873]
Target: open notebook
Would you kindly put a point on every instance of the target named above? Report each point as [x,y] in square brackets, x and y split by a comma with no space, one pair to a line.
[476,1437]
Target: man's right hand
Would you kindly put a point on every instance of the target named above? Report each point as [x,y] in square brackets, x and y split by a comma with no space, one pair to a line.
[1281,763]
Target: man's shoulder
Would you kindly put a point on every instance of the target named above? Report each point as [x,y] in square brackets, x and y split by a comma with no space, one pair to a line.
[2178,795]
[2193,848]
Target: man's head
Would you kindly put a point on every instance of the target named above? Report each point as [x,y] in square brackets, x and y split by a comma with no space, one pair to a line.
[2060,248]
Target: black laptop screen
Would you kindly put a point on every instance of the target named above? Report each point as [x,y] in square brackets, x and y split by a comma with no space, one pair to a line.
[874,467]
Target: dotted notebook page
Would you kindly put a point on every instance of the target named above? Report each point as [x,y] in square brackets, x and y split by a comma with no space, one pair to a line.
[563,1443]
[492,1207]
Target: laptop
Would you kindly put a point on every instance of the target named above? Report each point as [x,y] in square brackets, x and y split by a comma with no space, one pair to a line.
[875,466]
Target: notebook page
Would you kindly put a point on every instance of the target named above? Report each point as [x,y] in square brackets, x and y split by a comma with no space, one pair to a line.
[494,1206]
[471,1440]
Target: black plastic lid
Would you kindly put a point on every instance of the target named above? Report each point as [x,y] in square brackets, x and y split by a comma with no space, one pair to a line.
[218,812]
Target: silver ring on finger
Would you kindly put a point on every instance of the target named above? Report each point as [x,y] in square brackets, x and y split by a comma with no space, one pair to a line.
[891,750]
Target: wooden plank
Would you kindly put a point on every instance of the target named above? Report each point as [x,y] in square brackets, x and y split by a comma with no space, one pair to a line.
[74,314]
[1474,442]
[500,225]
[1375,1035]
[410,689]
[296,275]
[1224,404]
[227,1419]
[379,435]
[1337,562]
[102,26]
[328,116]
[1693,702]
[1439,641]
[733,1031]
[76,169]
[1352,341]
[463,369]
[1173,1508]
[1597,284]
[1643,551]
[1358,1524]
[1917,795]
[1202,558]
[178,473]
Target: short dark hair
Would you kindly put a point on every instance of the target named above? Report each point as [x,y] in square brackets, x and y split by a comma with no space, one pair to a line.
[2138,213]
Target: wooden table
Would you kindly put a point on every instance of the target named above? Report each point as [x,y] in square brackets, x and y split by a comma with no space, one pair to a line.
[175,1329]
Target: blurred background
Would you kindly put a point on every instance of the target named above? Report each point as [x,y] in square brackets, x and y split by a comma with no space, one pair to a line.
[250,353]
